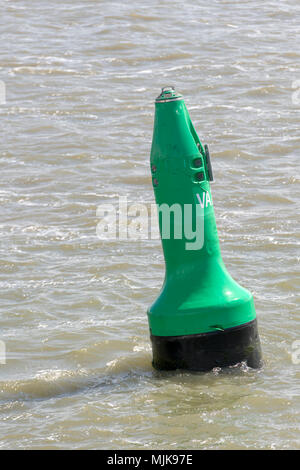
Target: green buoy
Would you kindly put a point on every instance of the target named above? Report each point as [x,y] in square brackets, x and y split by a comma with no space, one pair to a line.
[202,318]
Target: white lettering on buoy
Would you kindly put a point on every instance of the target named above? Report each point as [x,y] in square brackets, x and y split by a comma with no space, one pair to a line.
[206,199]
[199,199]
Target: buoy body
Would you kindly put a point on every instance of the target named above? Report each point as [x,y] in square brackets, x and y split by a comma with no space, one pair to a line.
[202,318]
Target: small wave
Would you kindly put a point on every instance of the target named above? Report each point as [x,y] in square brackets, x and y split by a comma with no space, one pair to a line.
[47,384]
[120,46]
[139,16]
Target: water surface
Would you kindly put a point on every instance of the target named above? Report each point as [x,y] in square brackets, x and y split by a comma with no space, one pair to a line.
[81,78]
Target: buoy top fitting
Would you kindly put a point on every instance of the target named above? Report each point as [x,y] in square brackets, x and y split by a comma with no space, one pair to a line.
[168,93]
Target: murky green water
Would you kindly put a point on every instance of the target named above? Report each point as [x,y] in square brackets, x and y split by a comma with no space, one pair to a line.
[80,81]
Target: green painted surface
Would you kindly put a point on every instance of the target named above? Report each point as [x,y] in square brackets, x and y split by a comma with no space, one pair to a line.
[198,294]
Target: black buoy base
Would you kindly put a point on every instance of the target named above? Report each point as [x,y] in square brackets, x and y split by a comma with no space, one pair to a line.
[205,351]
